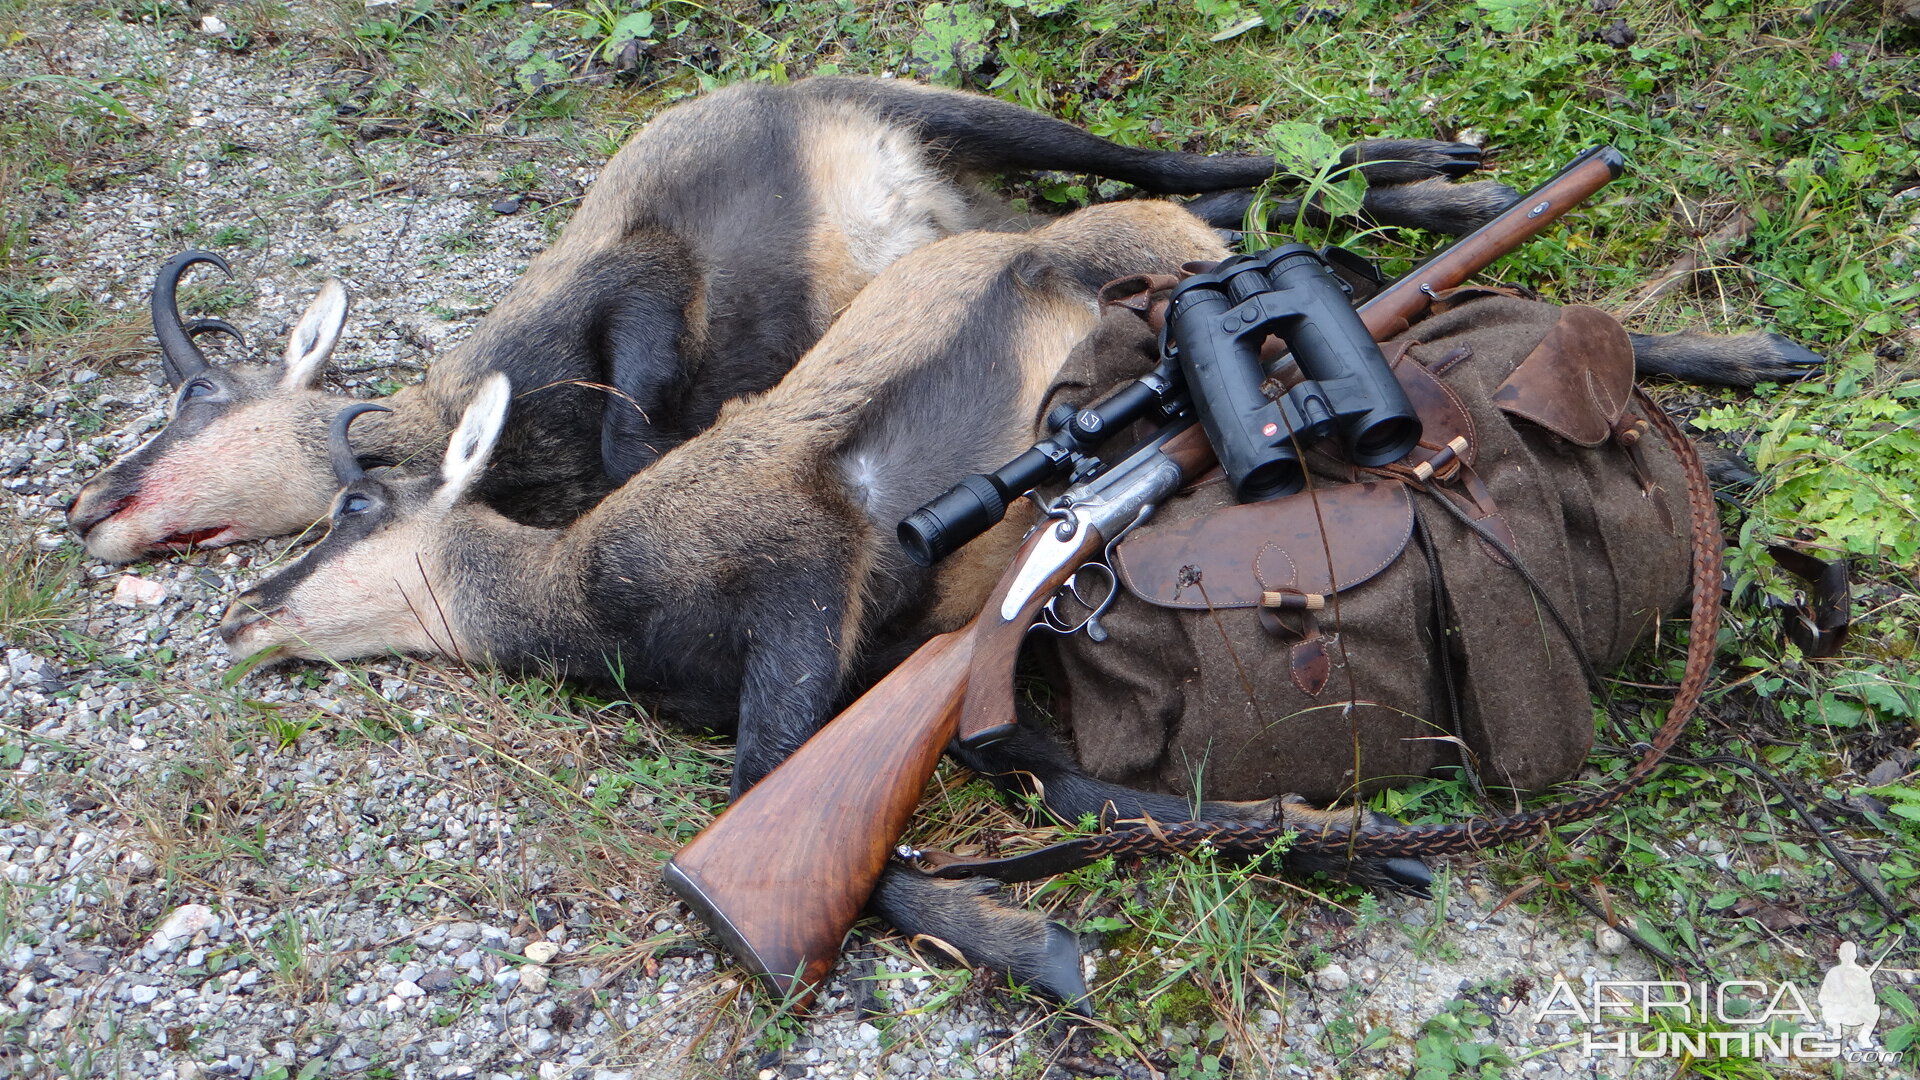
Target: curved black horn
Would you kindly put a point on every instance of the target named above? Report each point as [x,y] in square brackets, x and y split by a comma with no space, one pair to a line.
[180,358]
[196,327]
[346,467]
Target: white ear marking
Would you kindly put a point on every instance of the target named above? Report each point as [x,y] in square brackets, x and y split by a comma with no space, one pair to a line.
[313,339]
[473,441]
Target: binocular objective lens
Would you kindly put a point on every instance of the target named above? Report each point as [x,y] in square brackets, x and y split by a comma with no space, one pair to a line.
[1273,479]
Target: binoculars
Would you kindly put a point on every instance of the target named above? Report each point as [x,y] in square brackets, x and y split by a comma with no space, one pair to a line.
[1215,325]
[1210,358]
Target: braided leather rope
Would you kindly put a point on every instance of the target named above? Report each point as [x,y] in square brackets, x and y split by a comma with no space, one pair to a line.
[1449,838]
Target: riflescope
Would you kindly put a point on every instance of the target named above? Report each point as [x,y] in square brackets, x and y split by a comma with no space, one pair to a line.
[1215,324]
[977,503]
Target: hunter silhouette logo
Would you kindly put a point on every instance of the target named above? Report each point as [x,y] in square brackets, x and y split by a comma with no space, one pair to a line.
[1846,999]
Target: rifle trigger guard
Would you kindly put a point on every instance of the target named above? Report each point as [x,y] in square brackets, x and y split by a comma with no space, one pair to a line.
[1050,618]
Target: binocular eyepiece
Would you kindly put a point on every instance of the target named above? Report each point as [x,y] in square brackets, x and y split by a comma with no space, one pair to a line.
[1215,324]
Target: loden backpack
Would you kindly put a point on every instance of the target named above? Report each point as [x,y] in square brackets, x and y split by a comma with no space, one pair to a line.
[1446,612]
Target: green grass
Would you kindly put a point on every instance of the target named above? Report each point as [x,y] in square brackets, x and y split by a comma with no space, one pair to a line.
[36,592]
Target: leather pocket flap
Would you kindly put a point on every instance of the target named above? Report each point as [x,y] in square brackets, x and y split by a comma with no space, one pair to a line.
[1231,556]
[1575,383]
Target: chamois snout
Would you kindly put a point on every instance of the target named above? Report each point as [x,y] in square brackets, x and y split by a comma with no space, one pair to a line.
[244,616]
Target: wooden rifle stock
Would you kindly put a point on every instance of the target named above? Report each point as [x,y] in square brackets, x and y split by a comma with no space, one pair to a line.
[784,872]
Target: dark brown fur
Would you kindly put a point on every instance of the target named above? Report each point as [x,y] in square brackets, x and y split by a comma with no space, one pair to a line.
[743,574]
[710,253]
[751,562]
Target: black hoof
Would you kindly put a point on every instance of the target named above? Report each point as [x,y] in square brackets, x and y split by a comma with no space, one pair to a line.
[1455,160]
[1790,361]
[1726,468]
[1058,974]
[1406,875]
[1409,161]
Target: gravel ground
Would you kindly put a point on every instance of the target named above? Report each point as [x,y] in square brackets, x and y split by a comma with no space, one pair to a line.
[343,872]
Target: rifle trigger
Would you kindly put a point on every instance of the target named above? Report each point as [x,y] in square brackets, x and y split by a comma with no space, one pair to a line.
[1096,632]
[1051,619]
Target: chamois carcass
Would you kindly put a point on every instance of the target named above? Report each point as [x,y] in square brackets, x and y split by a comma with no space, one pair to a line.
[752,564]
[744,574]
[711,252]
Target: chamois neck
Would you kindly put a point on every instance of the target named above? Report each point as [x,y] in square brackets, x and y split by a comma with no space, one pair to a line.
[518,595]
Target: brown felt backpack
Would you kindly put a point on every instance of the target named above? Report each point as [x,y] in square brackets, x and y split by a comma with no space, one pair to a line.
[1381,625]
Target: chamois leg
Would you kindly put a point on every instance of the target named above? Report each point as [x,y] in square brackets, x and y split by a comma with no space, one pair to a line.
[1435,205]
[1032,762]
[983,134]
[1726,360]
[792,677]
[1026,945]
[641,339]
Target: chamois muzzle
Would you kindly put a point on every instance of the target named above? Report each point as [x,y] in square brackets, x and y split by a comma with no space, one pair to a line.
[346,467]
[180,358]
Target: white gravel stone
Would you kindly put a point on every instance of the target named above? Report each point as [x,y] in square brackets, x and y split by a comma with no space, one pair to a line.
[533,978]
[1610,941]
[136,591]
[181,926]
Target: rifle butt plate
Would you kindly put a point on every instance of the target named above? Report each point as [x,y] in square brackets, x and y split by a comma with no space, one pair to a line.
[792,979]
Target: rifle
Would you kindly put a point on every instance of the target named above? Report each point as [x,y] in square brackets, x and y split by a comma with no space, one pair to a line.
[783,873]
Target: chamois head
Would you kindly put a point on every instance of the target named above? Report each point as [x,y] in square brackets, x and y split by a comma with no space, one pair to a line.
[375,584]
[237,459]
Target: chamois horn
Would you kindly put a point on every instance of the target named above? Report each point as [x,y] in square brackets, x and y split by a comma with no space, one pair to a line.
[180,358]
[346,467]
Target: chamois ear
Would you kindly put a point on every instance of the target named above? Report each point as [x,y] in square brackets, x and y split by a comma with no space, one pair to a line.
[472,442]
[312,341]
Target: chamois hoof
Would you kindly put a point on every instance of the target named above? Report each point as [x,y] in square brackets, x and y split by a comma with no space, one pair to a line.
[1727,468]
[1406,161]
[964,918]
[1407,875]
[1396,873]
[1789,362]
[1731,360]
[1057,973]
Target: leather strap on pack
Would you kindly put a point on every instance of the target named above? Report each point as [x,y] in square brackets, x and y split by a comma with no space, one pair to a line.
[1253,838]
